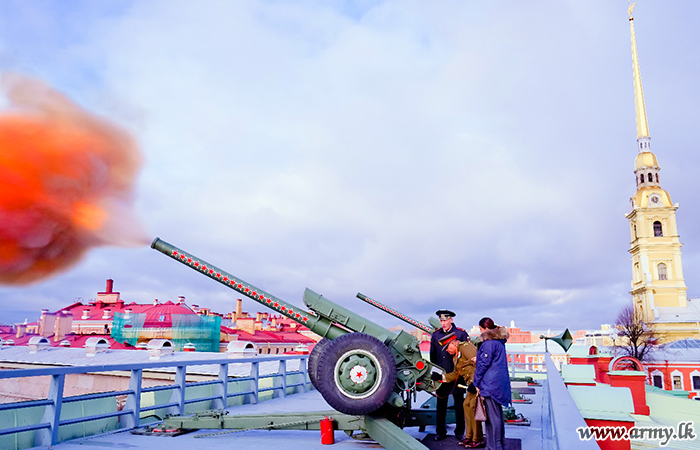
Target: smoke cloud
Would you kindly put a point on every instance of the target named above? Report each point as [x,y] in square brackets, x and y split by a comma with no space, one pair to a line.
[66,183]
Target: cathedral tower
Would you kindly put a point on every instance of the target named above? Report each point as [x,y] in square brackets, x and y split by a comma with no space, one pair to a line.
[658,287]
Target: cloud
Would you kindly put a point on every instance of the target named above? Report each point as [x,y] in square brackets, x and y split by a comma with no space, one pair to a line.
[470,155]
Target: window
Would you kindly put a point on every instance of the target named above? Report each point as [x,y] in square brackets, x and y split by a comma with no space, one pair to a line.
[657,177]
[658,231]
[662,271]
[696,383]
[641,178]
[658,381]
[677,383]
[161,318]
[649,176]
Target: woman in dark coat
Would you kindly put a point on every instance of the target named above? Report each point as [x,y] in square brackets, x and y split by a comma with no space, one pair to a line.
[492,381]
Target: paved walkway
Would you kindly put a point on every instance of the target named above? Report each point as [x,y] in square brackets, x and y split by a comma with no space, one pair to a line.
[531,437]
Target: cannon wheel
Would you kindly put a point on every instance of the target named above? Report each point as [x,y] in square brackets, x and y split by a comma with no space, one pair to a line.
[356,373]
[313,360]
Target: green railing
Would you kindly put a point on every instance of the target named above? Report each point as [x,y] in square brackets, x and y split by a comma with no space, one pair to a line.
[57,418]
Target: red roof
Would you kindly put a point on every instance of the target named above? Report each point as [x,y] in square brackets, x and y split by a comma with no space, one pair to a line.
[160,316]
[96,310]
[270,336]
[294,337]
[259,336]
[75,340]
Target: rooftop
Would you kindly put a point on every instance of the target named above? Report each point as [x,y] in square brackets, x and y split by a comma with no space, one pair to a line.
[530,437]
[554,414]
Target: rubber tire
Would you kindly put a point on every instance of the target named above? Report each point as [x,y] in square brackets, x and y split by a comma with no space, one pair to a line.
[371,350]
[312,365]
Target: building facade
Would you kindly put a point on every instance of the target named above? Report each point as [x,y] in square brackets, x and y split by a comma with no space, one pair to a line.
[658,287]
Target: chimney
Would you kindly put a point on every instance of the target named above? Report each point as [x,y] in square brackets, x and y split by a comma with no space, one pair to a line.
[105,315]
[239,308]
[628,372]
[41,320]
[64,324]
[258,317]
[181,300]
[155,302]
[86,314]
[109,296]
[21,330]
[46,323]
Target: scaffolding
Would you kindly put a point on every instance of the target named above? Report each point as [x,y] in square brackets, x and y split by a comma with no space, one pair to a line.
[202,331]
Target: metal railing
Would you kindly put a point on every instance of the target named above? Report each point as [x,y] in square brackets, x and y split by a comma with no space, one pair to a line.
[529,367]
[560,416]
[220,391]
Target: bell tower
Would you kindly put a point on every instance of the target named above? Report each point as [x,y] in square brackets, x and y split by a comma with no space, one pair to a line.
[657,270]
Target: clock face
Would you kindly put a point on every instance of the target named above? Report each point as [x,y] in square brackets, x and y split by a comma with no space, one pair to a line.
[655,200]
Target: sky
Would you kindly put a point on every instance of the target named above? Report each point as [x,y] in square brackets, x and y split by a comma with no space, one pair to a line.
[474,156]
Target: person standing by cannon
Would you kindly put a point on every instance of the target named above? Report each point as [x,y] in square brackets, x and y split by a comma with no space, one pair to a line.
[440,357]
[464,354]
[492,381]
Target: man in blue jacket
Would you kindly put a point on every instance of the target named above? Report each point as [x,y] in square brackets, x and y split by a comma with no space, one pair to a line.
[440,356]
[492,381]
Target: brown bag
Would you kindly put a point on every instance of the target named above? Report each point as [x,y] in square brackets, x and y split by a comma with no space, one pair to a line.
[479,409]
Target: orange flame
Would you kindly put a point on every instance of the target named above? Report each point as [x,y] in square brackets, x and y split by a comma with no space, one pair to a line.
[66,180]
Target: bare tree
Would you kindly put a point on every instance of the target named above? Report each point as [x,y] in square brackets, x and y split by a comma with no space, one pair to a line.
[636,336]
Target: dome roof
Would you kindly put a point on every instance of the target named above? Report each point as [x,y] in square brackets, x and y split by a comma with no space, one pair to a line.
[643,196]
[645,159]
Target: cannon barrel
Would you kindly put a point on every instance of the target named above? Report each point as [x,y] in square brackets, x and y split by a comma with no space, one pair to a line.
[403,317]
[319,325]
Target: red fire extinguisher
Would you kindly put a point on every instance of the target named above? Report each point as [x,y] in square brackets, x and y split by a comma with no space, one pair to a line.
[327,436]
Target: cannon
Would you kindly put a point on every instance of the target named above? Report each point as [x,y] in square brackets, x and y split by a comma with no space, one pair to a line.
[358,366]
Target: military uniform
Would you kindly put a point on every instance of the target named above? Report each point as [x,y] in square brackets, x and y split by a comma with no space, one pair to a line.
[440,357]
[465,367]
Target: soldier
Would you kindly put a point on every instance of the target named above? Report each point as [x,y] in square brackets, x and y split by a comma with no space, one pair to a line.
[464,354]
[440,357]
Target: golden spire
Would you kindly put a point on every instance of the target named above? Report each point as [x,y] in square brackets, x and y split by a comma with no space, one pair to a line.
[642,125]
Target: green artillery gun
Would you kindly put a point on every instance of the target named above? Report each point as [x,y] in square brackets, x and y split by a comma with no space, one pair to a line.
[358,366]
